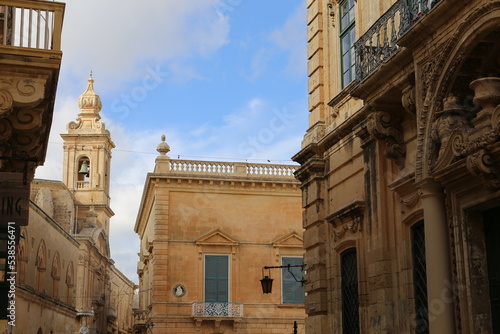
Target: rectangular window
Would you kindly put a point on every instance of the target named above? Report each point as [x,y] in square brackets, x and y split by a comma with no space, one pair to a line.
[349,291]
[293,291]
[216,278]
[347,39]
[419,278]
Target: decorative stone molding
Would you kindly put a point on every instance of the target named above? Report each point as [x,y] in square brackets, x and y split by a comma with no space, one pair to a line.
[22,117]
[477,143]
[426,77]
[410,202]
[437,77]
[386,126]
[331,12]
[290,241]
[482,164]
[217,237]
[348,218]
[408,100]
[454,117]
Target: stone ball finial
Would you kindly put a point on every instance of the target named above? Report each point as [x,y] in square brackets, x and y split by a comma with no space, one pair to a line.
[163,147]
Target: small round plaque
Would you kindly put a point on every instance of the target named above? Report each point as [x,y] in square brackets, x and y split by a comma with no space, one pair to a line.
[179,290]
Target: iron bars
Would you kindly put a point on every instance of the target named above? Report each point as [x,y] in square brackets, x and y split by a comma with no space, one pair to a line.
[379,43]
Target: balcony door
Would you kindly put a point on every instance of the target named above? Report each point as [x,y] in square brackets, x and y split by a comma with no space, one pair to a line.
[216,279]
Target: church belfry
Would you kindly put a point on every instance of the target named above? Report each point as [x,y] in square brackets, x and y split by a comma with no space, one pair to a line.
[87,158]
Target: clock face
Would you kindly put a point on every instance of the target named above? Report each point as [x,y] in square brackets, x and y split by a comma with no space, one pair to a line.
[179,290]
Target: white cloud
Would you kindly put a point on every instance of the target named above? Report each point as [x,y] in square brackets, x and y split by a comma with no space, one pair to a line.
[115,38]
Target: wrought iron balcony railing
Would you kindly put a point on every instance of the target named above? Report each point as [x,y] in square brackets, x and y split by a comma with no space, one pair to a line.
[31,24]
[379,43]
[201,309]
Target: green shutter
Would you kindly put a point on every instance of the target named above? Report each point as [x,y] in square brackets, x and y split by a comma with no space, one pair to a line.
[293,291]
[216,278]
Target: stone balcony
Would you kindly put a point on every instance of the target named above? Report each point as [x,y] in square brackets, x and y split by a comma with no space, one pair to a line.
[30,59]
[206,309]
[217,313]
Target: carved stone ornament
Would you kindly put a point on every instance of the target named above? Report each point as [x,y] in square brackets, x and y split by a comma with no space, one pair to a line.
[347,219]
[386,126]
[452,118]
[331,12]
[476,143]
[482,164]
[21,122]
[408,100]
[89,118]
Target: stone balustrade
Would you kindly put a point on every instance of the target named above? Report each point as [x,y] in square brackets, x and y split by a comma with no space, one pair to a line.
[240,169]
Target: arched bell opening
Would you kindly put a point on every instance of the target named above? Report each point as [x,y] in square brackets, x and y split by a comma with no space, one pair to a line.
[83,172]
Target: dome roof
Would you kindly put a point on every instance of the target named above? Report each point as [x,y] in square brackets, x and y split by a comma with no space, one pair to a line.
[89,101]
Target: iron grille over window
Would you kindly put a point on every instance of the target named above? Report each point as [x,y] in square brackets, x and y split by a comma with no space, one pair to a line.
[350,297]
[419,278]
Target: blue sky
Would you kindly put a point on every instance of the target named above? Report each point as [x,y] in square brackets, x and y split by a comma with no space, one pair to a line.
[222,79]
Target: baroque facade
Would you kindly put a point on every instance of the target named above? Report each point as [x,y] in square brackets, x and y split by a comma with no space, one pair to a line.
[206,231]
[399,167]
[67,281]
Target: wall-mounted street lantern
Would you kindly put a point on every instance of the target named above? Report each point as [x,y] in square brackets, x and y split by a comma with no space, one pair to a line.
[267,281]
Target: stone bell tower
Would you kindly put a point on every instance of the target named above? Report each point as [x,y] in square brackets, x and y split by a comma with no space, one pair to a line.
[87,159]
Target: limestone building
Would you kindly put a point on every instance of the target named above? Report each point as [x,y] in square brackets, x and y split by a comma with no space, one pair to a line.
[399,167]
[67,281]
[206,231]
[29,71]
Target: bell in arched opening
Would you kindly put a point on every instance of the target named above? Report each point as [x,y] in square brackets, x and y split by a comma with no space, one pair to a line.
[83,169]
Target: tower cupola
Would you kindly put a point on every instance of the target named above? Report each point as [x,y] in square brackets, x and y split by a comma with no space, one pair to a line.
[89,102]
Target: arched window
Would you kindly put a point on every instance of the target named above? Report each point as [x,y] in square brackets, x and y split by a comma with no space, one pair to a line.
[56,275]
[70,283]
[40,267]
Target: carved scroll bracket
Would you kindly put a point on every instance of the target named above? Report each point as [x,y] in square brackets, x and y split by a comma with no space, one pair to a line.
[20,92]
[387,126]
